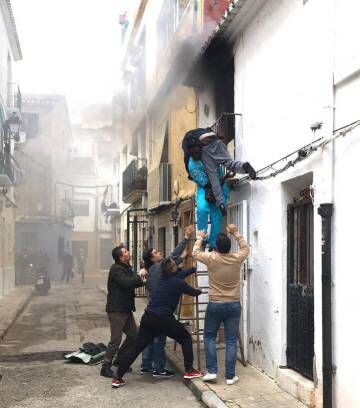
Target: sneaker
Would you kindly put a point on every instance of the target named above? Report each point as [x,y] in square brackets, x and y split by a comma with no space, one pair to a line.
[210,377]
[163,374]
[106,371]
[146,371]
[193,374]
[117,382]
[232,381]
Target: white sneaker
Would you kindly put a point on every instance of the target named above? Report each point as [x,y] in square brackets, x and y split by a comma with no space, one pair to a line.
[232,381]
[209,377]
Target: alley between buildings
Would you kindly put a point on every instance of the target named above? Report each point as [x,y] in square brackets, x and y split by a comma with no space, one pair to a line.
[34,373]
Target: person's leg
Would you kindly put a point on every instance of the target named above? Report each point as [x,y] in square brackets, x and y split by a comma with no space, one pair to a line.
[211,166]
[159,358]
[221,155]
[130,329]
[149,329]
[176,330]
[213,319]
[202,211]
[68,274]
[216,221]
[231,326]
[117,323]
[147,358]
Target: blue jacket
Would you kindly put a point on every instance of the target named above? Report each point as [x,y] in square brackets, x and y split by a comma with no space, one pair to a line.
[166,295]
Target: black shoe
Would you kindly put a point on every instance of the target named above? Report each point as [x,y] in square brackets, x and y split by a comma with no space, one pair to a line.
[223,210]
[146,371]
[106,371]
[163,374]
[249,169]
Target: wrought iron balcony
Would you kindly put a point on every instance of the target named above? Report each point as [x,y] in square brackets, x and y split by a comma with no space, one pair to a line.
[134,180]
[14,98]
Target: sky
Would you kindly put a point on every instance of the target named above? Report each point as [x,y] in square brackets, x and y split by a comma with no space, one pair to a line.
[70,47]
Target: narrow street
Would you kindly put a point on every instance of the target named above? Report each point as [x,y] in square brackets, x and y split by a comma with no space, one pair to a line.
[35,375]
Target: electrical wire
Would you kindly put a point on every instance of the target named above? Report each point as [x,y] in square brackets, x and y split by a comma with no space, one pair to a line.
[302,154]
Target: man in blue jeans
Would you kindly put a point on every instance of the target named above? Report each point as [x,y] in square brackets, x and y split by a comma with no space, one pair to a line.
[153,357]
[224,299]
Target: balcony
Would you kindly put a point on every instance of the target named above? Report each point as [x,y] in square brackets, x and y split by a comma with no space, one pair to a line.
[14,98]
[160,186]
[134,181]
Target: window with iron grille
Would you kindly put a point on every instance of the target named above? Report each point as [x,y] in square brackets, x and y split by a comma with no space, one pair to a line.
[81,208]
[162,240]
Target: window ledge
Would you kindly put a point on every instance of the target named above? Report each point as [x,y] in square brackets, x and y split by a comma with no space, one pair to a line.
[296,385]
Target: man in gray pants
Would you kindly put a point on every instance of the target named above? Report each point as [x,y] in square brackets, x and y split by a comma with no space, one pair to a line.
[213,154]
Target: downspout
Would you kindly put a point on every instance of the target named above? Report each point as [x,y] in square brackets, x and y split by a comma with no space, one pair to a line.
[326,212]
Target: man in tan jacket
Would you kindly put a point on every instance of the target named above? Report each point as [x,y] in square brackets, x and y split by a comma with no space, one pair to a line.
[224,298]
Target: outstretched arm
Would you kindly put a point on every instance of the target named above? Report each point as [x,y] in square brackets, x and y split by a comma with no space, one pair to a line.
[243,250]
[176,254]
[197,253]
[184,273]
[189,290]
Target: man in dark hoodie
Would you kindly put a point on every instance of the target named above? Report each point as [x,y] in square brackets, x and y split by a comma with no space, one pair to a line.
[153,357]
[120,306]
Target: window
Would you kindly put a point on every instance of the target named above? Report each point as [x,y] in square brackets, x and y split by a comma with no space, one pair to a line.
[81,208]
[30,124]
[83,165]
[162,240]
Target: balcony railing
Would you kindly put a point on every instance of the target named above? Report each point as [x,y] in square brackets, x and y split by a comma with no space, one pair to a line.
[14,98]
[159,186]
[134,180]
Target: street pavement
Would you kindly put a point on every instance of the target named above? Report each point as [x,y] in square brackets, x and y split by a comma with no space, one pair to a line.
[35,375]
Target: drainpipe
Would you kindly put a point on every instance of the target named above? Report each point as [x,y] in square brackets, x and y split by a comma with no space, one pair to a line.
[326,212]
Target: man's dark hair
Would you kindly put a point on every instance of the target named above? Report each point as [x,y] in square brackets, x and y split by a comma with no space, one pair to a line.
[147,255]
[167,265]
[223,243]
[117,253]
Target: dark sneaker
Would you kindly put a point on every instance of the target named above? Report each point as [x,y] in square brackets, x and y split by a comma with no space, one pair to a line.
[193,374]
[117,382]
[106,371]
[163,374]
[146,371]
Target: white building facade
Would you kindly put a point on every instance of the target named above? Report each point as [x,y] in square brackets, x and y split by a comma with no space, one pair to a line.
[296,66]
[10,52]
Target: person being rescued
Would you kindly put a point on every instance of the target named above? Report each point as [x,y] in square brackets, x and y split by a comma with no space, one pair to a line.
[213,154]
[205,200]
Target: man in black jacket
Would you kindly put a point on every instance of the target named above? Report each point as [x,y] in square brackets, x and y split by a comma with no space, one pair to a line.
[120,306]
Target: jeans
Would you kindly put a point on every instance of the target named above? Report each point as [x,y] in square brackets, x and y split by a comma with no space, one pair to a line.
[120,322]
[227,313]
[152,326]
[153,357]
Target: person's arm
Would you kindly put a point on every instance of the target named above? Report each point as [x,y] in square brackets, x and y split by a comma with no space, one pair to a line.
[243,250]
[176,253]
[184,273]
[127,282]
[197,253]
[189,290]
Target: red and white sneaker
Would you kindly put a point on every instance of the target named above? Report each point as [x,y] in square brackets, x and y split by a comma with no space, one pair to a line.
[117,382]
[193,374]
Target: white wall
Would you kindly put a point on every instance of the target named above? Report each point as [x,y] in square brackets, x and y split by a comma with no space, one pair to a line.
[283,84]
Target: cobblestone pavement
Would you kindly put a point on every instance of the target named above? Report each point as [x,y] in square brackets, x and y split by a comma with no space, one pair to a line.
[34,374]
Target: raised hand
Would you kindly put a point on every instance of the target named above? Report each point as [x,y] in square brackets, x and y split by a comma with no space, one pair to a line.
[231,229]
